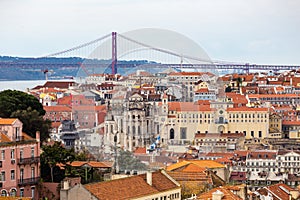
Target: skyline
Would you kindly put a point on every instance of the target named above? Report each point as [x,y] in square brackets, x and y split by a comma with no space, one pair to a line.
[262,32]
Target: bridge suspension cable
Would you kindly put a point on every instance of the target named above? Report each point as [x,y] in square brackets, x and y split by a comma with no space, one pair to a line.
[164,50]
[77,47]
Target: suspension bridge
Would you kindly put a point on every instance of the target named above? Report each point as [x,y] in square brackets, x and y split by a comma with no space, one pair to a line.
[114,53]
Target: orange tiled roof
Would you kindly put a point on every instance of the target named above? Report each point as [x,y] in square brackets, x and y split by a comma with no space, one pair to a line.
[244,108]
[291,123]
[94,164]
[271,95]
[4,138]
[26,137]
[131,187]
[7,121]
[188,106]
[202,90]
[15,198]
[140,150]
[191,176]
[193,168]
[200,164]
[228,195]
[278,191]
[58,108]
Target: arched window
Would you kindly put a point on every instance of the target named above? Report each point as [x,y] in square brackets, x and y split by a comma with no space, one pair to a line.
[221,120]
[13,192]
[172,135]
[3,193]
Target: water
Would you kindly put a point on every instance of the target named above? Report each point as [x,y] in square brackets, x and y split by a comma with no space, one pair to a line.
[28,84]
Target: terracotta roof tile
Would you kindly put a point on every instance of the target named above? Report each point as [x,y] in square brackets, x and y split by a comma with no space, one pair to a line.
[191,176]
[228,195]
[131,187]
[140,150]
[4,138]
[199,163]
[7,121]
[187,106]
[244,108]
[58,108]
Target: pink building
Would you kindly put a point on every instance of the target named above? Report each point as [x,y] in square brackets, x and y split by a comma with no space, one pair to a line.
[19,160]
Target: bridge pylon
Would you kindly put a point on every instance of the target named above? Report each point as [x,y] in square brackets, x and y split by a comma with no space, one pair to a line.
[114,68]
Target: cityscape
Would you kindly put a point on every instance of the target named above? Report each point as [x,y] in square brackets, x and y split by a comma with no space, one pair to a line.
[148,114]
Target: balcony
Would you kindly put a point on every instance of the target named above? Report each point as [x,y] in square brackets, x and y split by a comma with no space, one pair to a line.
[28,181]
[28,161]
[221,122]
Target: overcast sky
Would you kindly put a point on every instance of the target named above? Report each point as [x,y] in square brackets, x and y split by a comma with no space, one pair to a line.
[255,31]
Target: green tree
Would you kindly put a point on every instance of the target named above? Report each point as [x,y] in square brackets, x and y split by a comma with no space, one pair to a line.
[27,108]
[126,161]
[52,155]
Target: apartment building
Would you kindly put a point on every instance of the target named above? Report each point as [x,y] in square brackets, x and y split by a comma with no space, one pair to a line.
[19,160]
[149,186]
[189,80]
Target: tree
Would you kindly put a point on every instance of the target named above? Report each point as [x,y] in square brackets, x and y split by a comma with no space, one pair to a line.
[52,155]
[126,161]
[27,108]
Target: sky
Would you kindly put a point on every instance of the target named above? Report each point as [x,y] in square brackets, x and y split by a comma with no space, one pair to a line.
[246,31]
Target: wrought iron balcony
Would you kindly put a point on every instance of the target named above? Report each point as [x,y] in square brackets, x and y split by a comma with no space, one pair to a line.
[28,181]
[28,161]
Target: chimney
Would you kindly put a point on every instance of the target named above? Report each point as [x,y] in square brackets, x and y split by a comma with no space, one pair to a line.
[37,136]
[149,177]
[66,185]
[217,195]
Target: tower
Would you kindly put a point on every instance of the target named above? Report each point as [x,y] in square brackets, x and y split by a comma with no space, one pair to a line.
[114,53]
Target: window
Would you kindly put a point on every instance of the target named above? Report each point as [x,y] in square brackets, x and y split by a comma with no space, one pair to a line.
[22,192]
[252,133]
[21,174]
[32,152]
[2,176]
[12,154]
[3,155]
[12,175]
[13,192]
[4,193]
[183,133]
[32,192]
[32,172]
[21,154]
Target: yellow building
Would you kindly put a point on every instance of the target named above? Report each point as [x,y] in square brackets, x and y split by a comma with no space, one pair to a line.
[185,119]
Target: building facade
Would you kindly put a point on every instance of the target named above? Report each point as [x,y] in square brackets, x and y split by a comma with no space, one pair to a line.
[20,160]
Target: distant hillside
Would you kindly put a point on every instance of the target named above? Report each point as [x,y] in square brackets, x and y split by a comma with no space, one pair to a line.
[18,68]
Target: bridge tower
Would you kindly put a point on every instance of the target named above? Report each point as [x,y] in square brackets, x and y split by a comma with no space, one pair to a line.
[114,69]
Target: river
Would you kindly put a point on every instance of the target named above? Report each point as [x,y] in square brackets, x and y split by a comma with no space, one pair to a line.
[24,85]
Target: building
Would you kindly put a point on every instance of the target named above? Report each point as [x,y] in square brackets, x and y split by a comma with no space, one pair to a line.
[149,186]
[133,121]
[188,80]
[278,191]
[237,192]
[19,161]
[68,133]
[219,142]
[190,165]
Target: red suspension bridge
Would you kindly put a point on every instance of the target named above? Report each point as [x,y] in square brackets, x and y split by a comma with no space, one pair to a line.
[110,50]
